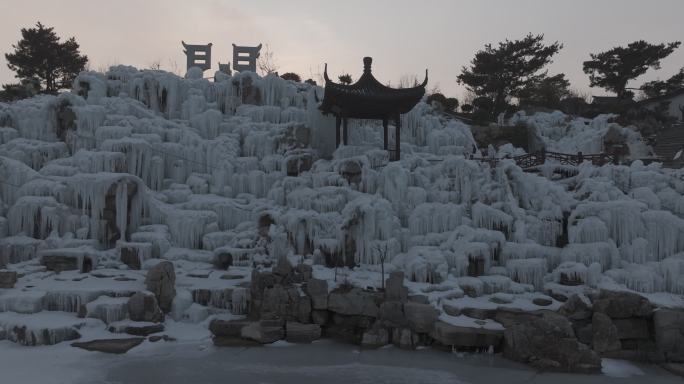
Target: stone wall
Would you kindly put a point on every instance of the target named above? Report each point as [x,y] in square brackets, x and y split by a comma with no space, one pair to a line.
[289,304]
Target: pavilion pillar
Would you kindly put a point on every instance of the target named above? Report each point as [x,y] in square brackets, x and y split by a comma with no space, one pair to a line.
[385,134]
[397,138]
[338,122]
[345,137]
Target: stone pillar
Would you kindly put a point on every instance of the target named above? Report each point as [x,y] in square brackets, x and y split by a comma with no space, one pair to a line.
[397,138]
[244,58]
[338,122]
[345,136]
[385,134]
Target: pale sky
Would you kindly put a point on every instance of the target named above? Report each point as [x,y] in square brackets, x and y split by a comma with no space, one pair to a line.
[403,37]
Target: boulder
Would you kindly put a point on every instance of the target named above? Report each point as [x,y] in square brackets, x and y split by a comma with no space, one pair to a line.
[669,333]
[576,308]
[404,338]
[542,302]
[318,292]
[283,268]
[354,301]
[263,332]
[375,338]
[319,317]
[142,306]
[391,315]
[395,289]
[304,272]
[421,317]
[286,303]
[144,329]
[60,263]
[604,334]
[110,345]
[620,305]
[223,260]
[161,280]
[233,328]
[676,368]
[547,342]
[129,254]
[8,279]
[632,328]
[465,337]
[302,333]
[479,313]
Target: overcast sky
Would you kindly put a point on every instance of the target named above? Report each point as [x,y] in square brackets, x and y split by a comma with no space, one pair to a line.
[403,37]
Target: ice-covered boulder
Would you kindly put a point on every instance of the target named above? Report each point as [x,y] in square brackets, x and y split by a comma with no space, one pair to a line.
[161,281]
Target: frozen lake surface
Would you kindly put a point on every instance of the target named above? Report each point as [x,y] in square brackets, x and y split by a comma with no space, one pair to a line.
[322,362]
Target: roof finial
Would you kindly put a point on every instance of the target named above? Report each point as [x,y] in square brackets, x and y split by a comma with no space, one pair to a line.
[367,61]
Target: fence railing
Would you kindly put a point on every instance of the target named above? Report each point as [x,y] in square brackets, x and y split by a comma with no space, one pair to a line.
[535,159]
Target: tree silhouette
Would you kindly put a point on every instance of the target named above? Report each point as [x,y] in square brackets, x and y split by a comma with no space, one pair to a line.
[499,72]
[659,88]
[292,77]
[612,69]
[40,55]
[345,79]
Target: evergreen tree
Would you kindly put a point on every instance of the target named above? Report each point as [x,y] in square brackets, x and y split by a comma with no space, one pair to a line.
[546,91]
[40,54]
[292,77]
[613,69]
[500,72]
[659,88]
[345,79]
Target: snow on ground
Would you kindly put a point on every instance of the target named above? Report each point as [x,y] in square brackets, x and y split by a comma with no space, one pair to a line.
[145,165]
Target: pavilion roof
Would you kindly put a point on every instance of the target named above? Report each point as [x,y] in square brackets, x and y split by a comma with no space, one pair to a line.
[368,98]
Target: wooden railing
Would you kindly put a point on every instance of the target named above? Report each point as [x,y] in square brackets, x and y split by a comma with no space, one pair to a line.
[536,159]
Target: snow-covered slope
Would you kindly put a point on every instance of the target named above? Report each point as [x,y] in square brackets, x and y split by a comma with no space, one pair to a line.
[186,169]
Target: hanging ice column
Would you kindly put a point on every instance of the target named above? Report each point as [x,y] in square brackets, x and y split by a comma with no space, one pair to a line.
[369,219]
[92,192]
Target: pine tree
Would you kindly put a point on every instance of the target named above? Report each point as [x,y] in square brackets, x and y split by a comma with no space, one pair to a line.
[613,69]
[40,54]
[345,79]
[546,91]
[500,72]
[659,88]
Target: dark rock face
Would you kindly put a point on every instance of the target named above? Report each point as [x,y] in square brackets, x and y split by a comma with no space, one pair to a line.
[375,338]
[391,315]
[575,308]
[280,302]
[452,335]
[318,292]
[223,260]
[302,333]
[161,280]
[620,305]
[117,346]
[669,333]
[144,329]
[421,317]
[542,302]
[61,263]
[548,342]
[233,328]
[142,306]
[604,334]
[130,257]
[632,328]
[7,279]
[395,289]
[263,332]
[353,301]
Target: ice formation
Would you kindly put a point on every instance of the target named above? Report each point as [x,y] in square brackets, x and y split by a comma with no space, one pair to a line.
[243,171]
